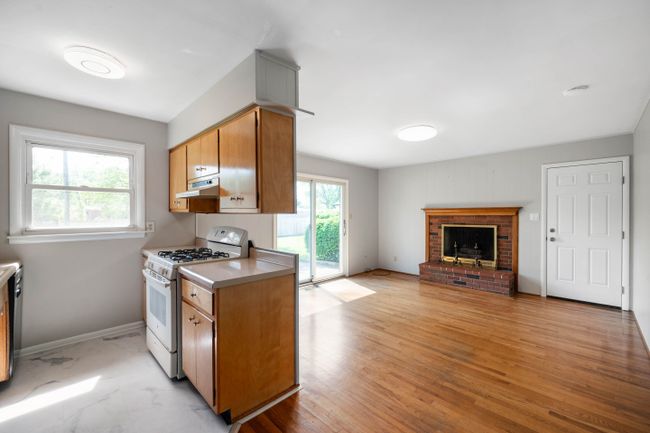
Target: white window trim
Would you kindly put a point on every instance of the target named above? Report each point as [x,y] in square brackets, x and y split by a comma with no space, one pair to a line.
[20,139]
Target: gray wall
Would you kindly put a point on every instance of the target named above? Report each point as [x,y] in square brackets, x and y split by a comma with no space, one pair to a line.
[362,229]
[77,287]
[512,178]
[640,227]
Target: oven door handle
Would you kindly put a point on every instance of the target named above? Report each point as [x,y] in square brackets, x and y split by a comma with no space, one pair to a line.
[150,276]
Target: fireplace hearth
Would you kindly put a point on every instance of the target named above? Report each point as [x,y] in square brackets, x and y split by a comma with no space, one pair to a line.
[457,237]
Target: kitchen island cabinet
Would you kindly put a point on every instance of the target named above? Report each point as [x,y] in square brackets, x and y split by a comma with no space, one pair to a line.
[243,352]
[197,350]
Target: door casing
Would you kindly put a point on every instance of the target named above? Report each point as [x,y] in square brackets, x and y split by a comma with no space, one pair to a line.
[625,278]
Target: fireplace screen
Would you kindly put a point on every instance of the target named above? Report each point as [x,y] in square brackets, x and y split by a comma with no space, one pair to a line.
[466,243]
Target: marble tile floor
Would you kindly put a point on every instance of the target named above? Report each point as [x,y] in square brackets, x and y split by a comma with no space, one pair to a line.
[109,384]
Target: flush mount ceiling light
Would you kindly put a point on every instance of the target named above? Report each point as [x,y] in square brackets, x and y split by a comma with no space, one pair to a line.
[576,90]
[94,62]
[417,133]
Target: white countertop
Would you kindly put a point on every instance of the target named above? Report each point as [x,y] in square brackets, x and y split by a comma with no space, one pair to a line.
[226,273]
[7,270]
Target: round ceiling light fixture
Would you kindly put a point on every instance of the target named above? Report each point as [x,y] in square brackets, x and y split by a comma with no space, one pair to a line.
[417,133]
[576,90]
[94,62]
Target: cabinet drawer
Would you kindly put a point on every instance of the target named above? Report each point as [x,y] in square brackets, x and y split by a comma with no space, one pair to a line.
[198,296]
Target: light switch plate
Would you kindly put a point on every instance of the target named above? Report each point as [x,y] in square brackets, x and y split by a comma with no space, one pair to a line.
[150,226]
[533,216]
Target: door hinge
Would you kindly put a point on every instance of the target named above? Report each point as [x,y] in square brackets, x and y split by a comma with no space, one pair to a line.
[623,180]
[623,234]
[623,290]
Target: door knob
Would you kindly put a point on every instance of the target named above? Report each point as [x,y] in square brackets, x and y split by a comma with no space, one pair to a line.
[552,230]
[551,239]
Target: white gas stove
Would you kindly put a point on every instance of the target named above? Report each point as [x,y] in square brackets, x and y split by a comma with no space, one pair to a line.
[163,296]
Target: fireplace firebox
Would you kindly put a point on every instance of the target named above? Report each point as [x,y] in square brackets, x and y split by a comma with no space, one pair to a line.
[472,244]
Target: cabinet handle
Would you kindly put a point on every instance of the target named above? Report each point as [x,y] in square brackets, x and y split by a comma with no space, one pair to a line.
[196,323]
[190,319]
[233,198]
[193,294]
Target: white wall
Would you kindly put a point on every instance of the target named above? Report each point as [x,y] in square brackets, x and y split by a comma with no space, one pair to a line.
[362,228]
[233,92]
[640,227]
[77,287]
[511,178]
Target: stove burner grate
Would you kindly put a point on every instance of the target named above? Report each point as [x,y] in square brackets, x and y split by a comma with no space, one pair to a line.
[192,254]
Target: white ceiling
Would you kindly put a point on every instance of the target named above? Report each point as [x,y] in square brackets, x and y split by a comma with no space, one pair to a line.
[488,75]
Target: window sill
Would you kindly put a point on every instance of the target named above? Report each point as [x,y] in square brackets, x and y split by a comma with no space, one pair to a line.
[74,237]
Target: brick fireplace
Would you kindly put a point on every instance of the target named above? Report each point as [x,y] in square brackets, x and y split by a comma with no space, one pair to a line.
[498,275]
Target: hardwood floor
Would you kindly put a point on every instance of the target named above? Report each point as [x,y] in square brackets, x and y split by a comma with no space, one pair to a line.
[418,358]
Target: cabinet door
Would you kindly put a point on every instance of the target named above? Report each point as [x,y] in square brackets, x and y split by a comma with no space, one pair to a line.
[194,167]
[210,153]
[188,342]
[204,343]
[177,178]
[238,158]
[198,350]
[5,329]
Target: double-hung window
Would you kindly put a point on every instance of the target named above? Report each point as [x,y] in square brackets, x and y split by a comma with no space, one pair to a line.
[72,187]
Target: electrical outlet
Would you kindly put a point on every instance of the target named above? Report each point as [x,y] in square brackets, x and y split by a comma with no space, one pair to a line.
[394,258]
[150,226]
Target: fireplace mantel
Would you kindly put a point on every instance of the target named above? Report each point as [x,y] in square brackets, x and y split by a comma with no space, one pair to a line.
[505,218]
[504,211]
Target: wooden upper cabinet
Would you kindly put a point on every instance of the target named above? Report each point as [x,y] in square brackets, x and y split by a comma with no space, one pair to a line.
[276,159]
[193,159]
[254,156]
[177,178]
[238,151]
[257,157]
[203,155]
[210,153]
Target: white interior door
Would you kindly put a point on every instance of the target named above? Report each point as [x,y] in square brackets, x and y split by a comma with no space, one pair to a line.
[585,232]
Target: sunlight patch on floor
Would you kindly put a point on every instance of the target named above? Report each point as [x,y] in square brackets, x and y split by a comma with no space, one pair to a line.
[46,399]
[323,296]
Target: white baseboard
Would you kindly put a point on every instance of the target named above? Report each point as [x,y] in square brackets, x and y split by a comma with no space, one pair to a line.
[31,350]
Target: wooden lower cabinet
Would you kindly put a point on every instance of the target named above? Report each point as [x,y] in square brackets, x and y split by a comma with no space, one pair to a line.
[5,329]
[244,355]
[198,351]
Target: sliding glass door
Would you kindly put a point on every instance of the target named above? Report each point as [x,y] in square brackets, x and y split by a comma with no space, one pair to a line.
[318,231]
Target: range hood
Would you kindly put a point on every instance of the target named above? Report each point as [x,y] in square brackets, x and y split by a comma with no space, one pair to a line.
[207,188]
